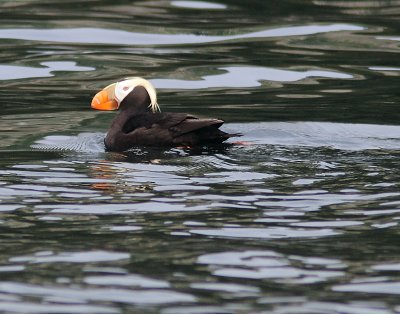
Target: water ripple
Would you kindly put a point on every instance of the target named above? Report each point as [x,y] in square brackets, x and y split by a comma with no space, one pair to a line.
[198,5]
[266,233]
[30,307]
[242,76]
[71,257]
[79,295]
[128,280]
[344,136]
[83,142]
[119,37]
[272,266]
[13,72]
[373,287]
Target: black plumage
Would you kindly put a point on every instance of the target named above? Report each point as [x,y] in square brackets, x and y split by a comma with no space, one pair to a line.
[137,125]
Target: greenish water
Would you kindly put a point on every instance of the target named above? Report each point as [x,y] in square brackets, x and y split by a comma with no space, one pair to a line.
[302,217]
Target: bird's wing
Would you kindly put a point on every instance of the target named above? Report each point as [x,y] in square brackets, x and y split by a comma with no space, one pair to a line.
[193,124]
[176,123]
[155,120]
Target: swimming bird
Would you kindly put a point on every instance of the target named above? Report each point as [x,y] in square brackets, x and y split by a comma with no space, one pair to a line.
[140,121]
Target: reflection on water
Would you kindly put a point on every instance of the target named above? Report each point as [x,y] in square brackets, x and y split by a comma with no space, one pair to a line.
[99,294]
[245,77]
[12,72]
[107,36]
[270,265]
[299,215]
[198,5]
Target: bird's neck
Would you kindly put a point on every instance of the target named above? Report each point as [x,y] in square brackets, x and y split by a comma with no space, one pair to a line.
[122,118]
[128,108]
[137,102]
[116,129]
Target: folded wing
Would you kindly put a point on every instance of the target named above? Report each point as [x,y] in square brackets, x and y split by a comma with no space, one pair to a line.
[175,129]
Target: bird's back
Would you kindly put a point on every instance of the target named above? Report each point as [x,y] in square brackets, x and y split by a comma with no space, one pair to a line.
[170,129]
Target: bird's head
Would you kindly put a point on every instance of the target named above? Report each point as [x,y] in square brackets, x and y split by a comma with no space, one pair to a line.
[111,97]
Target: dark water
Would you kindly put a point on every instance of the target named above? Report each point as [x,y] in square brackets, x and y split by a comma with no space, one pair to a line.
[301,217]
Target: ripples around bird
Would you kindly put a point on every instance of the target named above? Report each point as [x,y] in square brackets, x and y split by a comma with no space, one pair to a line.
[259,194]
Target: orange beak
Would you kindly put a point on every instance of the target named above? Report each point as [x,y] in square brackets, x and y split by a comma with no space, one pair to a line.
[101,101]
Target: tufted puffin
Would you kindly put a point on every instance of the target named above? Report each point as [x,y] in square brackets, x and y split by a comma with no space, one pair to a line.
[141,123]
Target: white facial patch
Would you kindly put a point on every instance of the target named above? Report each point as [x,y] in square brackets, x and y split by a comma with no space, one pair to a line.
[123,88]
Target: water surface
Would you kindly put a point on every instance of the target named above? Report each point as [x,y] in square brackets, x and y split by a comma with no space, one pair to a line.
[299,215]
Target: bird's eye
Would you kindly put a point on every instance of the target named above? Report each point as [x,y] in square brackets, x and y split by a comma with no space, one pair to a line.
[125,88]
